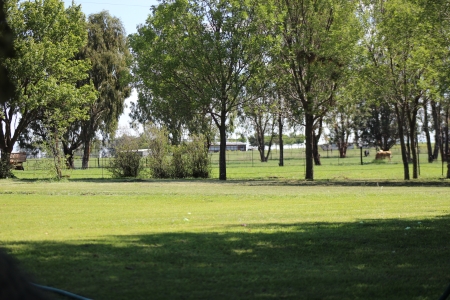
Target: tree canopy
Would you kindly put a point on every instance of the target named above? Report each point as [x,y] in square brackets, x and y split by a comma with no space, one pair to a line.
[200,55]
[44,70]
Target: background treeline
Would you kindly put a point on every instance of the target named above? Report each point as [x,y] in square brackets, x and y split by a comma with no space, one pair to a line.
[372,72]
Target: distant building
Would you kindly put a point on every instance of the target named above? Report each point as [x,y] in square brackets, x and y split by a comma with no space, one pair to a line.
[326,147]
[237,146]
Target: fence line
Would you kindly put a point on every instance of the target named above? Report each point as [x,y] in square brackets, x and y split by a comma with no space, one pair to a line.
[240,164]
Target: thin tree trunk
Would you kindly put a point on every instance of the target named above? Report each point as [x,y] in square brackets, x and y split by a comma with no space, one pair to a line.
[316,138]
[435,112]
[272,134]
[400,120]
[412,137]
[316,154]
[446,146]
[261,142]
[309,146]
[447,153]
[223,145]
[56,154]
[448,168]
[408,144]
[426,129]
[280,137]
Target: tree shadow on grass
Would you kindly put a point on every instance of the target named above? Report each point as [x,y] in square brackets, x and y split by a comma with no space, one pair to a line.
[373,259]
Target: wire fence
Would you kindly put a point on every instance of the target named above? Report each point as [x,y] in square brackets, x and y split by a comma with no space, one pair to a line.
[241,164]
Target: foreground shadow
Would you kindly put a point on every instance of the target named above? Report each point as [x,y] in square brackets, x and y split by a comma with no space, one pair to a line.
[377,259]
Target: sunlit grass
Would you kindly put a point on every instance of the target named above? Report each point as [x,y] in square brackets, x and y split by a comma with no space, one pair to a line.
[229,240]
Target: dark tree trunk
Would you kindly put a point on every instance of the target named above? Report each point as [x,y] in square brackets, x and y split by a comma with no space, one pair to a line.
[69,152]
[309,146]
[316,154]
[280,137]
[447,153]
[448,168]
[5,166]
[316,138]
[86,154]
[412,138]
[6,147]
[223,149]
[408,144]
[261,143]
[70,159]
[435,111]
[426,129]
[400,119]
[446,146]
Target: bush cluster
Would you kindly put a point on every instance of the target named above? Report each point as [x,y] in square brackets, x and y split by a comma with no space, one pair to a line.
[126,164]
[187,160]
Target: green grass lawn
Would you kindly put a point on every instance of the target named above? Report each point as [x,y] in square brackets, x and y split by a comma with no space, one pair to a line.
[240,239]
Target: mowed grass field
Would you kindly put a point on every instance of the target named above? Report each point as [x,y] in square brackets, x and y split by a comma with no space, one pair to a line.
[204,239]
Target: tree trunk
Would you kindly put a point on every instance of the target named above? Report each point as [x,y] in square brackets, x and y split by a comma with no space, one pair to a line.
[316,154]
[412,138]
[5,166]
[342,150]
[261,144]
[266,158]
[309,146]
[223,148]
[426,129]
[435,111]
[445,146]
[448,166]
[86,154]
[400,120]
[69,155]
[316,138]
[280,137]
[408,145]
[53,144]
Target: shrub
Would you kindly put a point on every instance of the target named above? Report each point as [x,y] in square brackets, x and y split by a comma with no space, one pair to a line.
[180,162]
[126,164]
[159,147]
[127,161]
[199,163]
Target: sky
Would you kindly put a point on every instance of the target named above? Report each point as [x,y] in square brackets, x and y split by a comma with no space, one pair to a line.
[133,13]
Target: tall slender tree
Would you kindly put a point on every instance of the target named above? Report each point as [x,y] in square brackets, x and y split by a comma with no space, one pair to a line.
[318,42]
[108,52]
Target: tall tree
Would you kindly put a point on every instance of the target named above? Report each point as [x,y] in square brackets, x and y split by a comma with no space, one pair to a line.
[403,52]
[204,52]
[318,39]
[45,32]
[6,87]
[6,51]
[108,52]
